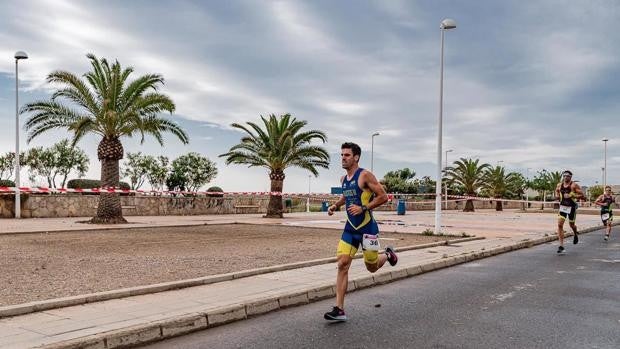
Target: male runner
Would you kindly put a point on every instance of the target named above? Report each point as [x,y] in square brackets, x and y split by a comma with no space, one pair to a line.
[605,201]
[361,192]
[568,192]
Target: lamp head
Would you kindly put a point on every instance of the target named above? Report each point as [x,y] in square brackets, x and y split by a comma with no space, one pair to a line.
[447,23]
[21,55]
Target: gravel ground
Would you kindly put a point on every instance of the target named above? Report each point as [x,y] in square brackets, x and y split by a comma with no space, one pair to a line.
[52,265]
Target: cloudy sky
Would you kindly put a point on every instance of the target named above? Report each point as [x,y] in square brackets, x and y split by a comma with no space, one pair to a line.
[531,83]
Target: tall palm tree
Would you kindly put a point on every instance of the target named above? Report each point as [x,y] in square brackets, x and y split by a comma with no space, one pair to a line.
[498,183]
[277,146]
[106,104]
[468,174]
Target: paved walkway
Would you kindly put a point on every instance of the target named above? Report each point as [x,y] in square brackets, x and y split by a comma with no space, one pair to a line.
[131,320]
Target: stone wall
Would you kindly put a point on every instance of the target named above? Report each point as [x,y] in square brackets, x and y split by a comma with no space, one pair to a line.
[77,205]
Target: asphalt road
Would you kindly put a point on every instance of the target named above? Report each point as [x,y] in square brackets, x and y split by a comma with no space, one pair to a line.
[530,298]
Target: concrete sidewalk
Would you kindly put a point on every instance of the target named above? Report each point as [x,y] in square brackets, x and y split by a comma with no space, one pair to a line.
[132,320]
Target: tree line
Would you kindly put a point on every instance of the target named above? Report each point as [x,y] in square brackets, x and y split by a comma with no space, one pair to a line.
[107,103]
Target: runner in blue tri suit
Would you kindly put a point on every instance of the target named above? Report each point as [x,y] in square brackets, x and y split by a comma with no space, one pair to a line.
[607,216]
[361,193]
[568,192]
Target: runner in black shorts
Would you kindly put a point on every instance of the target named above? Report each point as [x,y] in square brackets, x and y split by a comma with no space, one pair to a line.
[607,216]
[568,192]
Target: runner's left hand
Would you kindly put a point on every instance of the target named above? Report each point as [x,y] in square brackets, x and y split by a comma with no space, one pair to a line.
[355,210]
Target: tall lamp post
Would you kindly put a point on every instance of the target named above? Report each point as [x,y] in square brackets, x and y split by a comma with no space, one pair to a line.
[605,168]
[446,24]
[308,200]
[446,184]
[372,151]
[18,55]
[527,180]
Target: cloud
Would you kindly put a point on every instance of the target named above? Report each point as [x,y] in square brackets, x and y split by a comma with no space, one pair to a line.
[531,84]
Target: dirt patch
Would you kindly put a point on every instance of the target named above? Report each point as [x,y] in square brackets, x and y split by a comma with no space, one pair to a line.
[52,265]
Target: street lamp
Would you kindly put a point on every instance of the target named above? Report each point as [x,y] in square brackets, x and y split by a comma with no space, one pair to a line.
[605,168]
[18,55]
[308,200]
[446,184]
[372,150]
[527,179]
[446,24]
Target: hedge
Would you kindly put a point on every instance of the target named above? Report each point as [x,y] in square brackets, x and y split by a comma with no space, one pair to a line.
[91,183]
[6,183]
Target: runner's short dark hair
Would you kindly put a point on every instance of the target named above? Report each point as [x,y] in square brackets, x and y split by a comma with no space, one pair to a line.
[567,172]
[354,148]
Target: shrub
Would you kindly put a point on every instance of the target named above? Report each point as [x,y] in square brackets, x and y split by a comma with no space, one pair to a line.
[427,232]
[90,184]
[6,183]
[215,189]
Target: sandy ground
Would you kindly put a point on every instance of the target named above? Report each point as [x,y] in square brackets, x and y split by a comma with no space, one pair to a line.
[42,266]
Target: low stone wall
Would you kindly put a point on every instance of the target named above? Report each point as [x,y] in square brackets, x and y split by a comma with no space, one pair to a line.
[77,205]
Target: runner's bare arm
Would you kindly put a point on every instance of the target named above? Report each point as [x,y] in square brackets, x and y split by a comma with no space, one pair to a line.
[557,190]
[577,189]
[333,207]
[371,182]
[599,201]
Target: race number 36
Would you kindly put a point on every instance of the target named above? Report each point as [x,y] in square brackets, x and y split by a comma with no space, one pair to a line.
[370,242]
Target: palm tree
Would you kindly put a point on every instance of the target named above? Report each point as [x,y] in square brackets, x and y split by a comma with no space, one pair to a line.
[498,183]
[277,146]
[469,175]
[108,105]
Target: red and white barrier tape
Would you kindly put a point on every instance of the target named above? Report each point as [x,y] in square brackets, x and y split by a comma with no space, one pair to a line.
[452,198]
[128,191]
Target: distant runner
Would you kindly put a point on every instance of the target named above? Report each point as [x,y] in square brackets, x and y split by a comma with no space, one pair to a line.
[605,201]
[568,192]
[361,193]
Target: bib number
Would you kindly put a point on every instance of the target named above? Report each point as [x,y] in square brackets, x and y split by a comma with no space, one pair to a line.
[605,216]
[370,242]
[565,209]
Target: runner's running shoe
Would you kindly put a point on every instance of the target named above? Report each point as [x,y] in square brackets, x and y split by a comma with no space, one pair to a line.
[392,258]
[560,249]
[336,314]
[575,239]
[606,237]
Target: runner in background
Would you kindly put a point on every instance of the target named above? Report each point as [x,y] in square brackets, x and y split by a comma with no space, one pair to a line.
[568,192]
[605,201]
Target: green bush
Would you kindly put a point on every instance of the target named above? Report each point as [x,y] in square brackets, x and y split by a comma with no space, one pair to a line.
[427,232]
[6,183]
[90,184]
[215,189]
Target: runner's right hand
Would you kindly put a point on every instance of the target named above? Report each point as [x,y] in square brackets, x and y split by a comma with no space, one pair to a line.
[331,209]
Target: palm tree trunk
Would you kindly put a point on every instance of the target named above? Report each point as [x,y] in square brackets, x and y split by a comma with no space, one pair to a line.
[469,206]
[498,205]
[274,209]
[109,210]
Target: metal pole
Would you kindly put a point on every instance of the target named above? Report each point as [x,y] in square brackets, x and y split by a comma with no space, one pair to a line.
[372,152]
[527,179]
[17,167]
[308,200]
[439,140]
[445,186]
[605,176]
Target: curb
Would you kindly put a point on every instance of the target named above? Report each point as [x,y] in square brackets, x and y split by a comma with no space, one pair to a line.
[179,325]
[31,307]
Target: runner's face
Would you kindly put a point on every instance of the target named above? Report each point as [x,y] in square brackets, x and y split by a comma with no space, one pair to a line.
[348,160]
[608,191]
[567,178]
